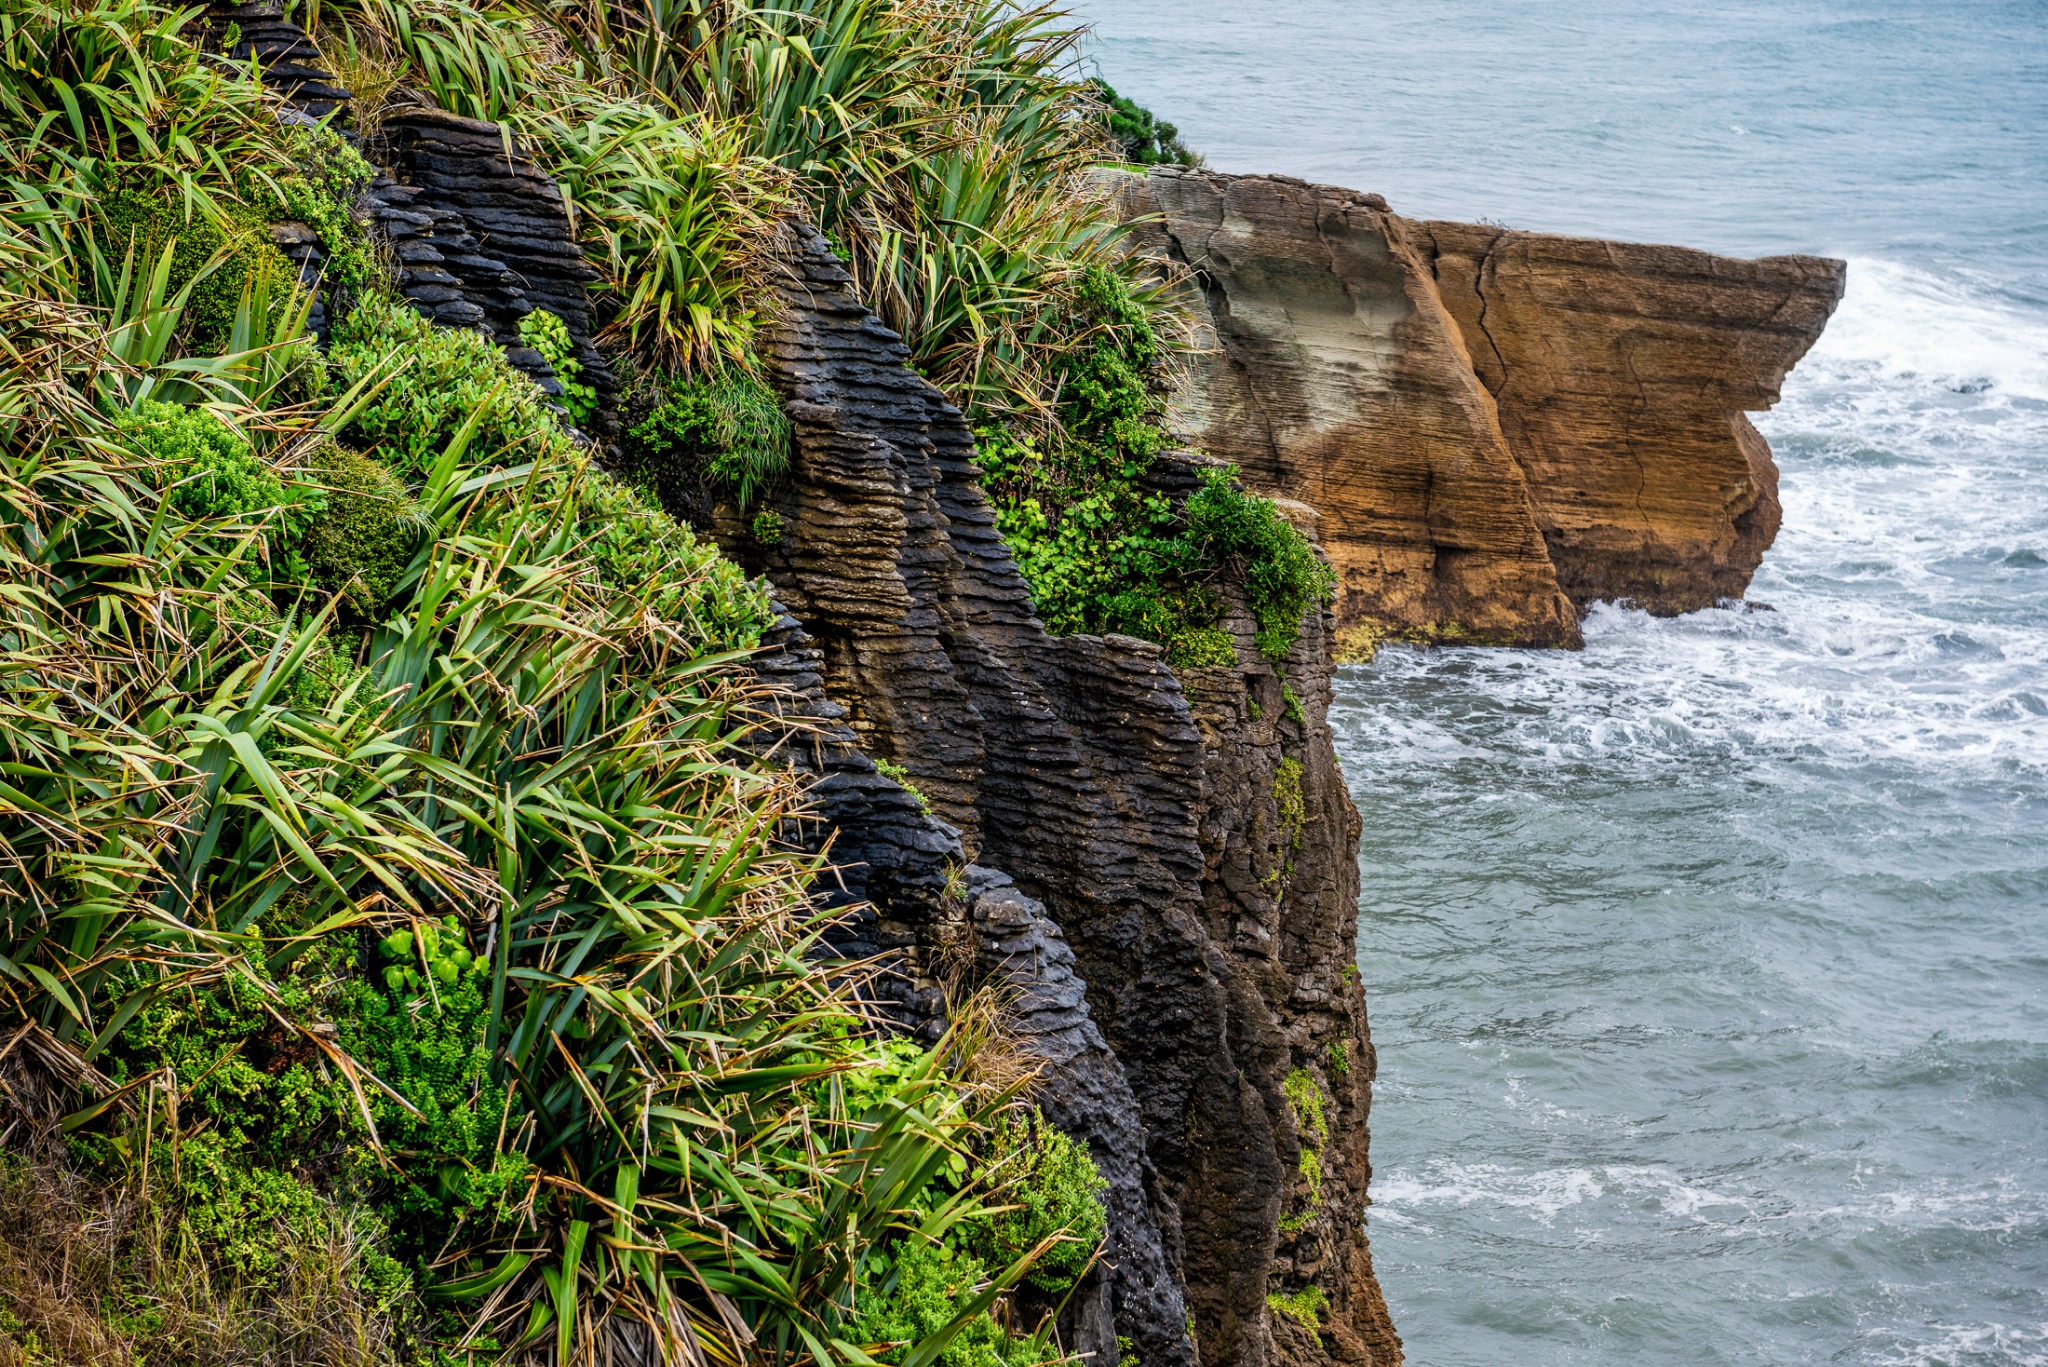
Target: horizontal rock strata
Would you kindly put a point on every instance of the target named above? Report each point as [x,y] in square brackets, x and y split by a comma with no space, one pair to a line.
[1191,838]
[1498,428]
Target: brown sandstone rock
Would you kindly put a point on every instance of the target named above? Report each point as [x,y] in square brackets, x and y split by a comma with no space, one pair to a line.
[1498,428]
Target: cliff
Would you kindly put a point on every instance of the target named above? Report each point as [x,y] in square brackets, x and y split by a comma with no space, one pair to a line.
[1190,837]
[1499,428]
[1161,868]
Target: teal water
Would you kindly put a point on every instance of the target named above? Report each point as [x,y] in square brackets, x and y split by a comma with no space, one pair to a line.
[1709,967]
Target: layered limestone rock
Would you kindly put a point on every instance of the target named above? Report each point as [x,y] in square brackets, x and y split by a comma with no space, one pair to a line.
[1189,835]
[1498,428]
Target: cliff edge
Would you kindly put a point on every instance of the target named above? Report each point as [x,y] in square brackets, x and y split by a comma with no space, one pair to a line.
[1499,428]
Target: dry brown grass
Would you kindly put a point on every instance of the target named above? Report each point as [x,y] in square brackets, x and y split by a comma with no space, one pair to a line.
[96,1273]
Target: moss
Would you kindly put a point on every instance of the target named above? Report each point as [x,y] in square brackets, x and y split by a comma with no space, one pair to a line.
[364,535]
[1293,705]
[321,192]
[149,222]
[1203,648]
[1339,1054]
[1305,1307]
[1358,643]
[1289,802]
[1305,1097]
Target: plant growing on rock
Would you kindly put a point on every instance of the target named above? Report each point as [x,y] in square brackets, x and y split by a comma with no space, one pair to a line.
[547,334]
[1101,546]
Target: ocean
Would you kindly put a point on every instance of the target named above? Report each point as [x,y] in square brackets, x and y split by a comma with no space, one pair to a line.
[1708,967]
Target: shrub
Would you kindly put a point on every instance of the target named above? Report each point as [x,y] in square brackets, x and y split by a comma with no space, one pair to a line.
[726,428]
[207,469]
[920,1290]
[1281,572]
[1140,138]
[439,379]
[1054,1189]
[364,532]
[644,553]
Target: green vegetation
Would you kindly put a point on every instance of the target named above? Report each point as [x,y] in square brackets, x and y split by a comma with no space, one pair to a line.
[1312,1127]
[900,776]
[547,334]
[1340,1057]
[724,430]
[1140,138]
[220,256]
[1305,1307]
[361,531]
[1057,1197]
[1288,801]
[1101,549]
[402,963]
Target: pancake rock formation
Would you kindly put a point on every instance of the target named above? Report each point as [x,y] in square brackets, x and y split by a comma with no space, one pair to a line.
[1498,428]
[1163,864]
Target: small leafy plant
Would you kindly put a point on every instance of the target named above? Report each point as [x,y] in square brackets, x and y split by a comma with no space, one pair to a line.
[546,333]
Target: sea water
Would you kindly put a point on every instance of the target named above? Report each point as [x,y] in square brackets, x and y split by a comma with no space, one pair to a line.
[1709,967]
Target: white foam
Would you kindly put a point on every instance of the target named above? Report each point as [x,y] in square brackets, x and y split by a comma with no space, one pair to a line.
[1546,1192]
[1967,1345]
[1912,329]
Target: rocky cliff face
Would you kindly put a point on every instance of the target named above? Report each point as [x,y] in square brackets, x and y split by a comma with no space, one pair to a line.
[1499,428]
[1487,429]
[1190,836]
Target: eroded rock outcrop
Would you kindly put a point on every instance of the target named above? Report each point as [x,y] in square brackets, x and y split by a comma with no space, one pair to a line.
[1190,836]
[1498,428]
